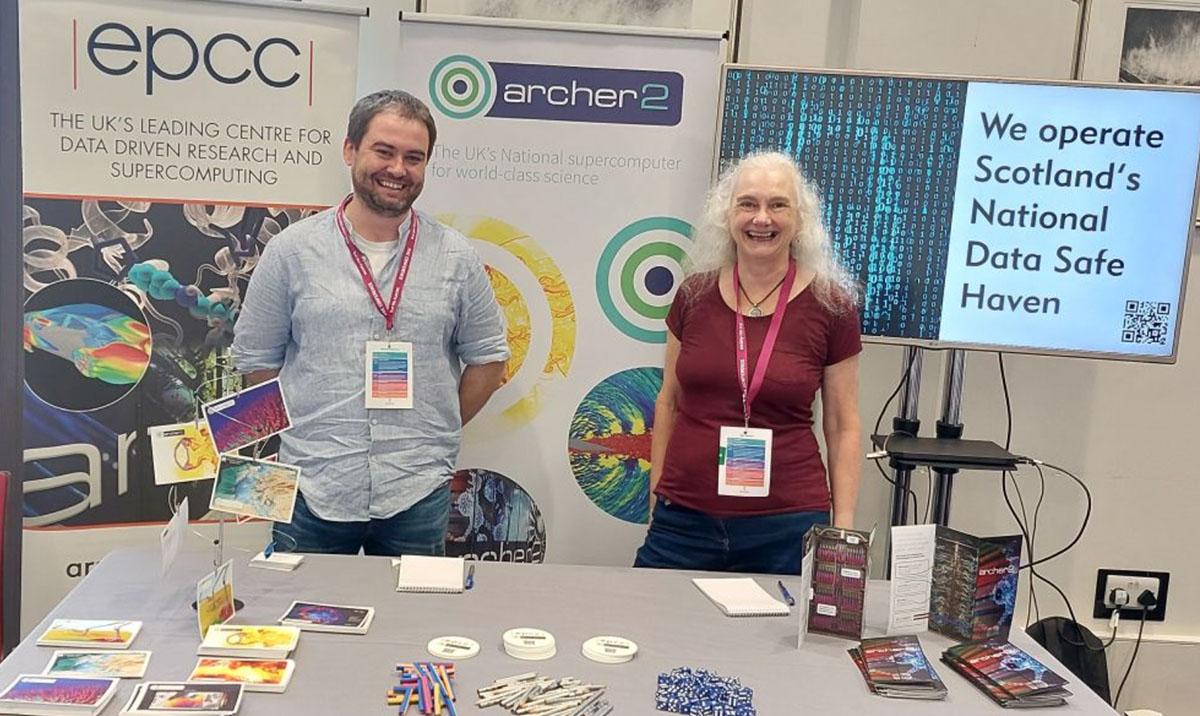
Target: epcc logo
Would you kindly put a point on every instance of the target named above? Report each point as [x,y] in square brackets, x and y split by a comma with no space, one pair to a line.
[462,86]
[172,54]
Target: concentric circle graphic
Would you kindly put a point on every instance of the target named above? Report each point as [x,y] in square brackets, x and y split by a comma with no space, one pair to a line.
[638,274]
[540,314]
[609,445]
[461,86]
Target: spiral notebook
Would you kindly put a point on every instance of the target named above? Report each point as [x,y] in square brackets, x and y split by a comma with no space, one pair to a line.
[419,573]
[741,597]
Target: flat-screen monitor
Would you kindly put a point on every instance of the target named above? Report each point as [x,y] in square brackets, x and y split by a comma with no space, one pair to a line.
[992,214]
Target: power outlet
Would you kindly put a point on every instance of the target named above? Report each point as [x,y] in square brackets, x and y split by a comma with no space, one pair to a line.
[1133,588]
[1134,582]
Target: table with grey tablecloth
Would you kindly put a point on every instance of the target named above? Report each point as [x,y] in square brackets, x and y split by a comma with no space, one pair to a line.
[672,622]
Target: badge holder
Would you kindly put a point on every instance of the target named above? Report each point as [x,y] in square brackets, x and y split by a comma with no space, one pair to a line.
[744,462]
[389,375]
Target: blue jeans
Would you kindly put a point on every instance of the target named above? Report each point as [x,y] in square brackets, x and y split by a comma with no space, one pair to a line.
[681,538]
[421,529]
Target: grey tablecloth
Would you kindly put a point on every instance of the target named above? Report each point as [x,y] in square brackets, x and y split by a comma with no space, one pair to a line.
[671,621]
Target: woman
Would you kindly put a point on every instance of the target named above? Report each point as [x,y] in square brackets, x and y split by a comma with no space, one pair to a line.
[737,477]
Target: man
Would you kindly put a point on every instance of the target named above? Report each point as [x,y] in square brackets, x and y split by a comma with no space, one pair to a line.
[368,313]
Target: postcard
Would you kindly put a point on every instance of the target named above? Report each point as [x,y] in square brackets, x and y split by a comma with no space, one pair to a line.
[256,674]
[183,452]
[214,597]
[67,691]
[115,664]
[255,488]
[91,633]
[250,641]
[248,416]
[327,616]
[190,697]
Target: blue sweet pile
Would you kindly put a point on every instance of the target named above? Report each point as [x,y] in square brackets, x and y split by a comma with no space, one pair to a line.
[702,693]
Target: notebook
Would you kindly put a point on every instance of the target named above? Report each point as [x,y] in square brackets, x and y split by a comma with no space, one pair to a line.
[419,573]
[741,597]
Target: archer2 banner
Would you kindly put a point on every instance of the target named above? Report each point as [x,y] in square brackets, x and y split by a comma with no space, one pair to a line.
[577,159]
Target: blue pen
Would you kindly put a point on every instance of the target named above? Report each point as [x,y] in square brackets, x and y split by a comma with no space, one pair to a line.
[787,596]
[470,580]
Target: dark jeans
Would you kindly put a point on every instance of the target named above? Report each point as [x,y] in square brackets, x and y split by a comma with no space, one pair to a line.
[421,529]
[681,538]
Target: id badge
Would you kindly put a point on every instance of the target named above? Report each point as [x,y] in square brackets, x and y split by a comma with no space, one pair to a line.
[389,375]
[744,462]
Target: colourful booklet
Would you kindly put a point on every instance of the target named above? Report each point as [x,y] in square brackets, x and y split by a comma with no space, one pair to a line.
[315,616]
[974,589]
[255,674]
[836,578]
[897,667]
[114,664]
[36,694]
[1007,674]
[90,633]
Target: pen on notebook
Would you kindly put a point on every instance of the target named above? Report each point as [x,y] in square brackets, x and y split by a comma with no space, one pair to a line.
[470,580]
[787,597]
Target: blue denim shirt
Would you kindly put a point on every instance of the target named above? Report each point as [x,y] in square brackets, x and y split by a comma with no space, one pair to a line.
[307,314]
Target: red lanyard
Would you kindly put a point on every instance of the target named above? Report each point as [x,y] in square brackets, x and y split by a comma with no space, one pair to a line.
[364,267]
[750,391]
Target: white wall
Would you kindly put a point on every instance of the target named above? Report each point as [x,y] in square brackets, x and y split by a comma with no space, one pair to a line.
[1125,429]
[1018,38]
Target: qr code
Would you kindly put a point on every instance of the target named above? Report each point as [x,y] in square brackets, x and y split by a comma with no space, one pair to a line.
[1146,322]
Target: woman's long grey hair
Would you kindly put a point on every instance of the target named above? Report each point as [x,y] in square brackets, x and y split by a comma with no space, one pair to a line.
[712,247]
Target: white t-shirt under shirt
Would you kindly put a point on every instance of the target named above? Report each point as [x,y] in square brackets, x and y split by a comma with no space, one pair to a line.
[377,253]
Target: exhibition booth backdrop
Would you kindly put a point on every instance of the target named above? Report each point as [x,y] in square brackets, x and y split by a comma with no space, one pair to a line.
[188,152]
[182,168]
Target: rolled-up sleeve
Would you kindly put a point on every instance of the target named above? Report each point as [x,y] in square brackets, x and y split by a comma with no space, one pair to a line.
[479,336]
[263,327]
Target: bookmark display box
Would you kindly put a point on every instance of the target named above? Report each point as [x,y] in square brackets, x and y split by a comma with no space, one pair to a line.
[838,564]
[974,590]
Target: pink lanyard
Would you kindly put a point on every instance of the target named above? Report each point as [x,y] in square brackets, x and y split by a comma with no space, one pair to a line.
[750,392]
[364,267]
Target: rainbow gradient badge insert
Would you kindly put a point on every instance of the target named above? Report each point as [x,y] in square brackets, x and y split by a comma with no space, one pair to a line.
[389,378]
[744,462]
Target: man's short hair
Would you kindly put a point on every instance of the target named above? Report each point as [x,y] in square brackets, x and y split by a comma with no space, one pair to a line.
[398,102]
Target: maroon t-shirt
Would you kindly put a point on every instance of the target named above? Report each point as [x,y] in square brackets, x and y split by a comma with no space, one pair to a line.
[811,338]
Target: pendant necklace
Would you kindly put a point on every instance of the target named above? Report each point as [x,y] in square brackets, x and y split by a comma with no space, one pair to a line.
[755,311]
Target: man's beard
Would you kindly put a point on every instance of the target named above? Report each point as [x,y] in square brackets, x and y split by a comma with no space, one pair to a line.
[366,191]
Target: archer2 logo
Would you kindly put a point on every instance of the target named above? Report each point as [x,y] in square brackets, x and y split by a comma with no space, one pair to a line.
[462,86]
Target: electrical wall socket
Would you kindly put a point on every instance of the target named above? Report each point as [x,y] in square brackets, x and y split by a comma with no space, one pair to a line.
[1134,582]
[1133,586]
